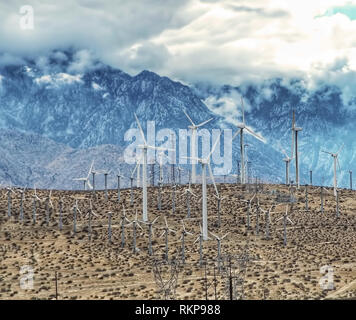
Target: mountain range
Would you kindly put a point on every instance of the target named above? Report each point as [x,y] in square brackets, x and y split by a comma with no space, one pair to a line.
[55,122]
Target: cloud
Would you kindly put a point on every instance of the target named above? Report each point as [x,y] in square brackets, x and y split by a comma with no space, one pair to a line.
[228,105]
[221,42]
[58,80]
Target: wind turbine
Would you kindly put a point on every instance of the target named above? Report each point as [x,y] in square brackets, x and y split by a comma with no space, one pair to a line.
[286,219]
[242,126]
[144,147]
[188,192]
[193,149]
[219,239]
[165,233]
[150,234]
[287,160]
[184,234]
[135,223]
[204,163]
[295,131]
[336,160]
[86,179]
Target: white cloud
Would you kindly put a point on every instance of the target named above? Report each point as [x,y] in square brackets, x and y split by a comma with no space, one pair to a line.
[57,80]
[223,42]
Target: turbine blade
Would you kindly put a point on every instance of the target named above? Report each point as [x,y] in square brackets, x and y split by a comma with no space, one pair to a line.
[91,168]
[141,131]
[214,235]
[236,134]
[203,123]
[133,172]
[285,153]
[212,178]
[190,120]
[224,236]
[342,147]
[214,146]
[257,136]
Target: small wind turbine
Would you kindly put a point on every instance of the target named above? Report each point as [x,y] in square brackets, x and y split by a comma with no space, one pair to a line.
[119,176]
[86,179]
[193,147]
[34,207]
[150,234]
[165,233]
[242,126]
[106,173]
[9,201]
[135,223]
[184,234]
[188,192]
[21,202]
[336,160]
[219,199]
[123,220]
[218,239]
[285,221]
[145,146]
[200,239]
[287,160]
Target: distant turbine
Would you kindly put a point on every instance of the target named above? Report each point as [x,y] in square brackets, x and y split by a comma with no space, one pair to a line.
[86,179]
[295,142]
[242,126]
[287,160]
[336,160]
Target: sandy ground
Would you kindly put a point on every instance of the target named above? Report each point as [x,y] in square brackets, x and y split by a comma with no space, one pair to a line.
[97,269]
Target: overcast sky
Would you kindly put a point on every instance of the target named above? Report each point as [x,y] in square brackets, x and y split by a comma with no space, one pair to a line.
[224,42]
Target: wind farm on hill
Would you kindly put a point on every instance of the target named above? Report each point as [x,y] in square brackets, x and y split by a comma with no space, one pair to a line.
[246,239]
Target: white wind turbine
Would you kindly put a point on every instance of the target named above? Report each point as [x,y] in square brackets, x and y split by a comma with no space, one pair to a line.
[242,126]
[336,160]
[193,147]
[295,131]
[287,160]
[86,179]
[204,163]
[144,147]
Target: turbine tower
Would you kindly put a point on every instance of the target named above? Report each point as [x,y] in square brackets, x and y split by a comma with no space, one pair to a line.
[242,126]
[144,147]
[295,131]
[336,160]
[193,147]
[205,162]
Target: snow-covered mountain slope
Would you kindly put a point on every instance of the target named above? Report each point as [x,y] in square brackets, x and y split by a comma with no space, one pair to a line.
[326,122]
[68,119]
